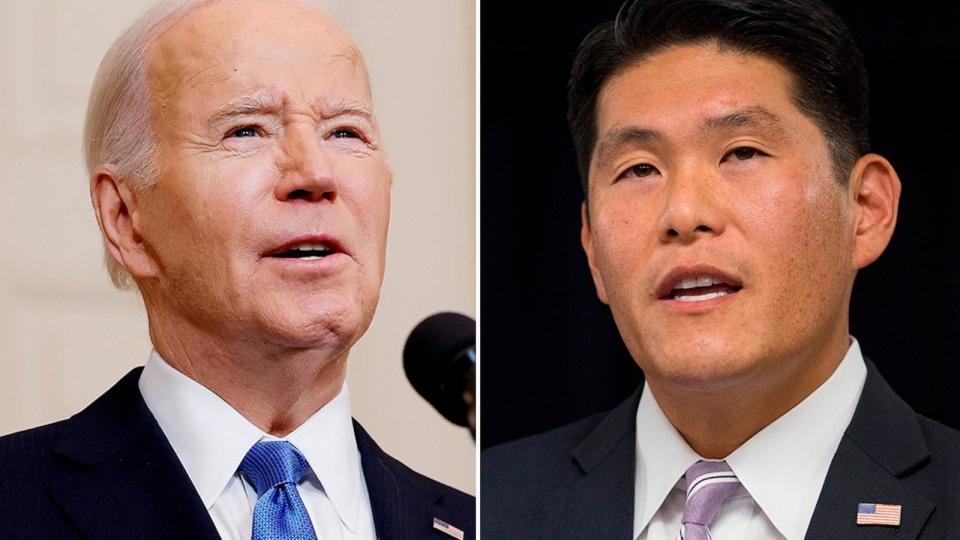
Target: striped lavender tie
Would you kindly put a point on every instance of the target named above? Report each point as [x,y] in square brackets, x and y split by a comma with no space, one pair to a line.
[709,484]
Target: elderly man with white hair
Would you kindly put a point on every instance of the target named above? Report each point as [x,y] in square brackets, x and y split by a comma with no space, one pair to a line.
[239,181]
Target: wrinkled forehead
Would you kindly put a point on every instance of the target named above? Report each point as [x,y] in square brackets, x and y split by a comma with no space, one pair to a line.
[252,43]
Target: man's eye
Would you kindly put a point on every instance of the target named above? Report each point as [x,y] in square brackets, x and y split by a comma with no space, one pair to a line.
[743,153]
[345,133]
[246,131]
[641,170]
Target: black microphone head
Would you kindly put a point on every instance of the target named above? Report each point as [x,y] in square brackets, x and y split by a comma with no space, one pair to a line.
[437,358]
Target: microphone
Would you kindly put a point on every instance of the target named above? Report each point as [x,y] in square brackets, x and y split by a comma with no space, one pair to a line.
[440,361]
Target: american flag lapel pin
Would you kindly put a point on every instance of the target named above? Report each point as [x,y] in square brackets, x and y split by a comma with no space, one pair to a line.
[447,528]
[878,514]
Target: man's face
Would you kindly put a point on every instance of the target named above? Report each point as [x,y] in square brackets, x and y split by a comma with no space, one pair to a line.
[269,217]
[718,232]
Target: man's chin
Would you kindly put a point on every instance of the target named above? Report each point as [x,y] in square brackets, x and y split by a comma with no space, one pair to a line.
[700,371]
[329,326]
[318,336]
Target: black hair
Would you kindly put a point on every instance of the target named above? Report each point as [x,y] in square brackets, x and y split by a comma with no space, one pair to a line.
[829,80]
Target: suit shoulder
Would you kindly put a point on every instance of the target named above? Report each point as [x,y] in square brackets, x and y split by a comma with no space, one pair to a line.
[517,477]
[27,464]
[522,465]
[944,445]
[560,441]
[938,477]
[451,495]
[423,499]
[28,448]
[939,434]
[454,501]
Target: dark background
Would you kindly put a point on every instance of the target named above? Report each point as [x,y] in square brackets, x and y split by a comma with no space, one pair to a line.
[550,352]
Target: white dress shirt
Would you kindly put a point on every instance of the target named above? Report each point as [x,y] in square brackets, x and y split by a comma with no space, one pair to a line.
[211,438]
[781,469]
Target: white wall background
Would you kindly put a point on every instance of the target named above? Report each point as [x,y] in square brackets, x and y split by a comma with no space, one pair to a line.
[66,335]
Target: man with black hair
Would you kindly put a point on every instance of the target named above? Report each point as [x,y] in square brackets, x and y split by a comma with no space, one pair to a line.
[730,199]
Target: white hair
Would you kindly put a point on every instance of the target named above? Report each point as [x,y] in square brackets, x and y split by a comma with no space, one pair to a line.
[118,128]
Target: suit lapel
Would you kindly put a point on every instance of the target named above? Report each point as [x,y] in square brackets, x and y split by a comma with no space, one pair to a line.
[118,477]
[882,445]
[596,501]
[386,499]
[404,503]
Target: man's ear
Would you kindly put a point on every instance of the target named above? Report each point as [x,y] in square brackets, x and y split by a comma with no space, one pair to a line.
[587,241]
[875,193]
[115,206]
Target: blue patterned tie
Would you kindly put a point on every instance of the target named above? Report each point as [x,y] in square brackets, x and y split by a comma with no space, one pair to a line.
[274,468]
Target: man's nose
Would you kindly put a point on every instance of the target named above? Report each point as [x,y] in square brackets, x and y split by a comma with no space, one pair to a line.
[691,207]
[306,168]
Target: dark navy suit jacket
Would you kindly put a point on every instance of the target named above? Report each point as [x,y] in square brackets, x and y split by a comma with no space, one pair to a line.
[577,481]
[109,472]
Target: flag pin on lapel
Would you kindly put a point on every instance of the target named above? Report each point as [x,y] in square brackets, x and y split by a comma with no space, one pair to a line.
[878,514]
[447,528]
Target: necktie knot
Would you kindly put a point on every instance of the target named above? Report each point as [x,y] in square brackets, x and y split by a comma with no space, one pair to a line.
[709,485]
[269,464]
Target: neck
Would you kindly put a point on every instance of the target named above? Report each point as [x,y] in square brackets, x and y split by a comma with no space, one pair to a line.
[717,421]
[275,387]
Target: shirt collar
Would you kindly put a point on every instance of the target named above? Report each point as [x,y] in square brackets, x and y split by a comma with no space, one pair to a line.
[328,442]
[804,441]
[663,456]
[211,438]
[786,488]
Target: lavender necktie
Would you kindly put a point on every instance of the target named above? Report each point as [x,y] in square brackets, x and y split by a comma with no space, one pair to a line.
[709,484]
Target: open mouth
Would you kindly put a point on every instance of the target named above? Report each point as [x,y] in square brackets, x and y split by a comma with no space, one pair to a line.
[305,251]
[701,284]
[701,289]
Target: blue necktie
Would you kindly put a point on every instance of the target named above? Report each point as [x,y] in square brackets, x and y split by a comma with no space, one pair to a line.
[274,468]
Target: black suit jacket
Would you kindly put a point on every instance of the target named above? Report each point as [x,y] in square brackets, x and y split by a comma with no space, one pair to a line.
[577,481]
[109,472]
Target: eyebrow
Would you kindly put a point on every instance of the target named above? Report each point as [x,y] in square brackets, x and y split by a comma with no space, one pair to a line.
[273,101]
[332,110]
[755,116]
[263,102]
[627,136]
